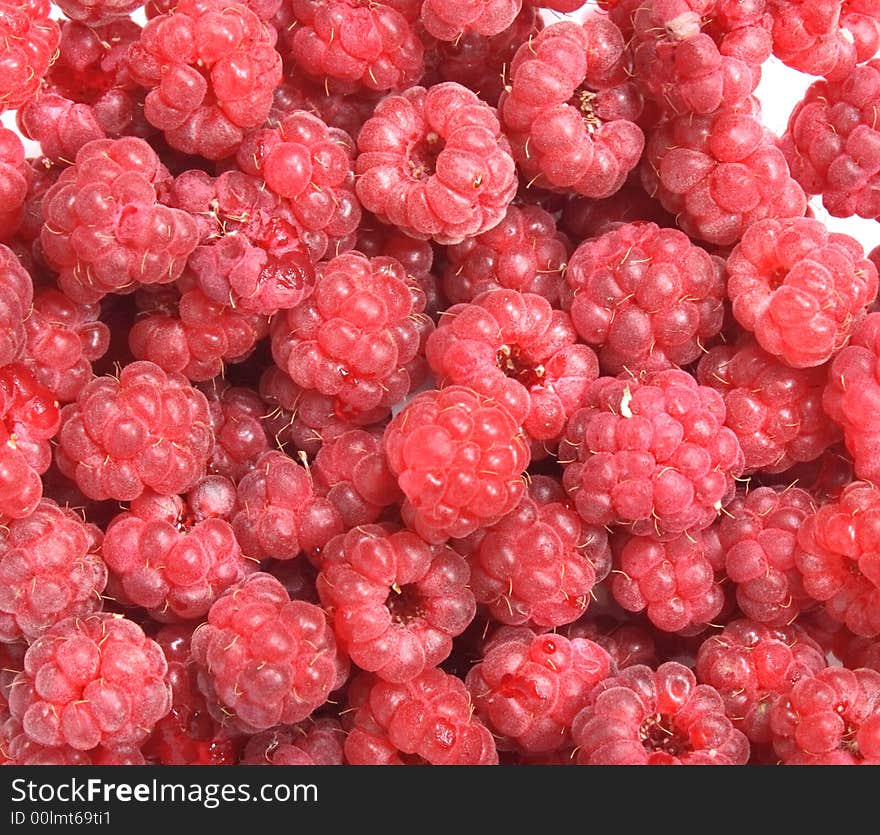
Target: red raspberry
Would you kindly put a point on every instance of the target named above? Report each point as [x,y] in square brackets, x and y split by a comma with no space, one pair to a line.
[348,44]
[643,717]
[626,643]
[448,21]
[645,297]
[30,37]
[832,718]
[50,569]
[395,602]
[435,164]
[280,515]
[570,112]
[89,681]
[824,478]
[540,563]
[459,459]
[263,659]
[16,298]
[238,418]
[528,688]
[11,663]
[774,410]
[426,720]
[104,231]
[318,742]
[524,252]
[98,12]
[759,534]
[24,751]
[655,455]
[799,288]
[854,651]
[750,664]
[210,69]
[839,560]
[142,430]
[516,350]
[14,177]
[354,339]
[719,173]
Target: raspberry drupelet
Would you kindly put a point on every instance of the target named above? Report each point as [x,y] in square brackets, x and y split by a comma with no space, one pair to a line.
[104,231]
[750,664]
[644,297]
[14,181]
[263,659]
[516,350]
[759,537]
[540,563]
[652,455]
[210,68]
[144,429]
[448,21]
[90,681]
[314,742]
[627,643]
[428,720]
[662,717]
[50,569]
[436,164]
[528,688]
[570,111]
[459,459]
[97,12]
[238,419]
[396,603]
[30,37]
[16,298]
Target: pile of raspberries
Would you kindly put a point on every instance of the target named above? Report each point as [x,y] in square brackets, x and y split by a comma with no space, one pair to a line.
[452,382]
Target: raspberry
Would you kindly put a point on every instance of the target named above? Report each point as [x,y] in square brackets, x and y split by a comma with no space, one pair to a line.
[347,44]
[643,717]
[528,688]
[655,456]
[750,664]
[104,231]
[16,297]
[97,12]
[838,559]
[14,177]
[264,659]
[238,420]
[24,751]
[718,174]
[11,663]
[449,21]
[144,429]
[832,718]
[774,410]
[524,252]
[395,602]
[645,297]
[627,643]
[210,69]
[30,38]
[318,742]
[435,164]
[824,478]
[426,720]
[759,534]
[570,113]
[355,337]
[280,515]
[540,563]
[89,681]
[459,459]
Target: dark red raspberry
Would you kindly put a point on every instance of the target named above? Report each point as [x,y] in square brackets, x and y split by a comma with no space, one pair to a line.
[824,478]
[426,720]
[104,231]
[719,173]
[854,651]
[89,681]
[11,664]
[653,455]
[528,688]
[459,459]
[211,69]
[97,12]
[524,252]
[395,602]
[626,643]
[14,178]
[750,664]
[774,410]
[238,418]
[50,569]
[570,111]
[448,21]
[16,298]
[540,563]
[643,717]
[30,38]
[144,429]
[316,742]
[645,297]
[435,164]
[279,514]
[759,536]
[263,659]
[357,335]
[832,718]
